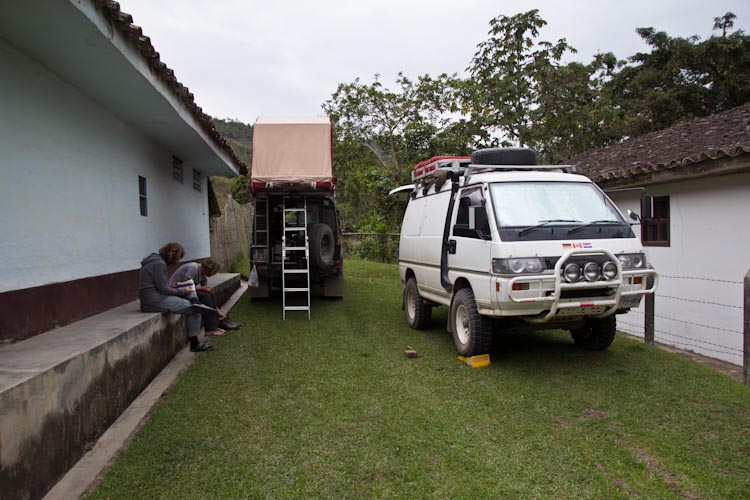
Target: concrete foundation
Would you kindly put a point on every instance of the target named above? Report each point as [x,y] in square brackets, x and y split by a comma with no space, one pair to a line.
[59,391]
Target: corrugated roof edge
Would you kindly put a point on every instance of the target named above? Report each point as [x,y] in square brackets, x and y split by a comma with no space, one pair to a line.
[134,34]
[713,137]
[645,168]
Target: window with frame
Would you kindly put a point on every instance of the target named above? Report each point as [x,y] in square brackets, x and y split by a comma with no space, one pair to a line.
[655,231]
[143,196]
[471,198]
[196,180]
[177,170]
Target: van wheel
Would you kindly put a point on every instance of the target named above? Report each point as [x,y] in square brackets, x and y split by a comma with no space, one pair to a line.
[418,315]
[321,245]
[472,332]
[597,334]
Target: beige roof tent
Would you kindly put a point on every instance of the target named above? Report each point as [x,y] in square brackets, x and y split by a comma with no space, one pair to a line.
[292,149]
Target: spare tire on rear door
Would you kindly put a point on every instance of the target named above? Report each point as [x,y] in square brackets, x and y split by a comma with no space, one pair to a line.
[321,245]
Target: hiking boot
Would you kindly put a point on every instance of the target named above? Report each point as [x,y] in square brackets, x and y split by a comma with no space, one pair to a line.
[202,347]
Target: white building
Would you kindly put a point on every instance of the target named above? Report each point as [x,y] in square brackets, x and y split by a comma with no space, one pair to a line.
[698,240]
[104,158]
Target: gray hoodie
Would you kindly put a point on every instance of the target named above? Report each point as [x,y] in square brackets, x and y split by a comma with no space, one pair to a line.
[154,287]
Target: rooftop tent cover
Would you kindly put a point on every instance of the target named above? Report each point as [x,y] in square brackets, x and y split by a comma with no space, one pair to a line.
[292,149]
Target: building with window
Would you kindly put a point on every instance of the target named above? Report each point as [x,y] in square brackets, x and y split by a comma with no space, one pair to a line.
[105,157]
[698,237]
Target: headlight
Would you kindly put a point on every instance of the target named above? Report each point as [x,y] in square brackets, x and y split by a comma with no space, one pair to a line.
[609,270]
[572,273]
[532,265]
[632,260]
[592,271]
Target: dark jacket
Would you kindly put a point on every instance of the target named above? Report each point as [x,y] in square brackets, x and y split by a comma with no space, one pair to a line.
[154,287]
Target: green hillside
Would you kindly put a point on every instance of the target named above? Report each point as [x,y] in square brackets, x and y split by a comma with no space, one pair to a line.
[240,137]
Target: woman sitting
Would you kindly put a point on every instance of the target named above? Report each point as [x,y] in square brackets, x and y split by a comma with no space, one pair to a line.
[199,274]
[156,295]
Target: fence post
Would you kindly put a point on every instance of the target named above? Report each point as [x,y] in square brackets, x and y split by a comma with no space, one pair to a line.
[746,332]
[648,334]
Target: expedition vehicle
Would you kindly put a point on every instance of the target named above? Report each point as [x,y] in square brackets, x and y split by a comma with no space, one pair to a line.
[297,232]
[507,245]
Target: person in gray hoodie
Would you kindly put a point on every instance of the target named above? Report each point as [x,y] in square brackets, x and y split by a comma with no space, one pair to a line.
[156,295]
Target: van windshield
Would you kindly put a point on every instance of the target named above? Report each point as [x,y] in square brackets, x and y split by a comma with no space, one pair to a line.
[555,210]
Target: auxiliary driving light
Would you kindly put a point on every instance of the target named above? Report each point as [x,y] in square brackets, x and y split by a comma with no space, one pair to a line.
[609,270]
[572,273]
[591,271]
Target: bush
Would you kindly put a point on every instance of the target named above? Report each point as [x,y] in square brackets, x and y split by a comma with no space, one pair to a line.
[242,266]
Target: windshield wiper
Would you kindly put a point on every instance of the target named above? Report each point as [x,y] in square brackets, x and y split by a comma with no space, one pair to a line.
[542,224]
[604,222]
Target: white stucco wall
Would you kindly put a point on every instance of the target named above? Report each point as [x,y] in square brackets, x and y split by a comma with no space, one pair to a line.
[700,295]
[69,204]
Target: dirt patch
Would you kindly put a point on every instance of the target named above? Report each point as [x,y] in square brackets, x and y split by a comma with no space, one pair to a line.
[619,483]
[597,414]
[562,422]
[654,467]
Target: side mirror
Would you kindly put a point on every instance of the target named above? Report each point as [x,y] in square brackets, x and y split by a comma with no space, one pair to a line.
[633,216]
[647,206]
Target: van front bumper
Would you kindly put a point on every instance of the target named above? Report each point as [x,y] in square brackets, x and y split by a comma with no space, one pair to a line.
[545,297]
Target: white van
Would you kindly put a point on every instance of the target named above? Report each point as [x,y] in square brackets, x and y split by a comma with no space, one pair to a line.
[496,236]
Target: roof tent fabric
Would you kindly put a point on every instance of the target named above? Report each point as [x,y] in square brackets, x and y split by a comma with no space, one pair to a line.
[292,149]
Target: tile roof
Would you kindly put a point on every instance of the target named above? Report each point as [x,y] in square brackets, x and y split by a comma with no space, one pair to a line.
[722,135]
[142,44]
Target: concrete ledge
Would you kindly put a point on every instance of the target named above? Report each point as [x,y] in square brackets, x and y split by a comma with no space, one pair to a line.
[59,391]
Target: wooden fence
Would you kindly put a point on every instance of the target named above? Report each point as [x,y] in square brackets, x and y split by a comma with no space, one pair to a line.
[231,233]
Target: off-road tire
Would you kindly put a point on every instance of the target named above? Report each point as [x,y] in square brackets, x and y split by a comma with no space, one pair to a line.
[472,332]
[504,156]
[322,245]
[418,314]
[597,334]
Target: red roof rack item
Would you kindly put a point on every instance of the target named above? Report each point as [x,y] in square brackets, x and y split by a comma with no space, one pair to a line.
[427,167]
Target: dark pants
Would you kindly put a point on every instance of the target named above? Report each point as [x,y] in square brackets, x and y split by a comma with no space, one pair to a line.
[210,320]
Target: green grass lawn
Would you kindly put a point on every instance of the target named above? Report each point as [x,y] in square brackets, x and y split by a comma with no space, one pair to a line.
[331,409]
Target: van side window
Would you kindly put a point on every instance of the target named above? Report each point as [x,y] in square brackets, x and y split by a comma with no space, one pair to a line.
[472,200]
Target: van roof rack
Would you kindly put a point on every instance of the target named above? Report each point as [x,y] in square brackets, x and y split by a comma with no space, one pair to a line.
[427,168]
[425,171]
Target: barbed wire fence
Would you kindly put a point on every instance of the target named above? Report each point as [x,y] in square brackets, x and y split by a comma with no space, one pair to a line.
[725,346]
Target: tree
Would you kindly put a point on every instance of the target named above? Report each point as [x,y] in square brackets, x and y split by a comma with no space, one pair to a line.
[682,78]
[572,113]
[241,190]
[506,74]
[381,133]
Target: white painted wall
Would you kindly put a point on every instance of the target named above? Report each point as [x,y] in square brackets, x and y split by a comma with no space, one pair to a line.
[69,205]
[700,295]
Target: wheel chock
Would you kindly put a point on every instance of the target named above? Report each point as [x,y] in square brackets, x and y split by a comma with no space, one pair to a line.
[478,361]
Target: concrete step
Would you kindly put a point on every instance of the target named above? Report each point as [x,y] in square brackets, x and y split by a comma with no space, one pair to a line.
[59,391]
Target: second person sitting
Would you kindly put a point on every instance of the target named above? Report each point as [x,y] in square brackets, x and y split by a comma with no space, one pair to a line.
[199,273]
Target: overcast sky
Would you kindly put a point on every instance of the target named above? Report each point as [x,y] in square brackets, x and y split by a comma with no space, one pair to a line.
[245,58]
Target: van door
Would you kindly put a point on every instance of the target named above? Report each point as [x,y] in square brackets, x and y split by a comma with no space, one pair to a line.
[472,236]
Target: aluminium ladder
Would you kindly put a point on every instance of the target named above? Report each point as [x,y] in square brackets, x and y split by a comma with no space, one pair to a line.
[261,226]
[296,235]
